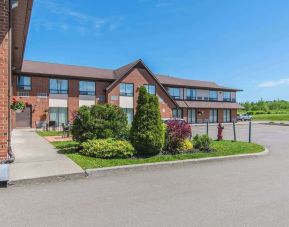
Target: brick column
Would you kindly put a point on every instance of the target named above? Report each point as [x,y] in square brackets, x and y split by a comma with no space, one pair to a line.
[4,76]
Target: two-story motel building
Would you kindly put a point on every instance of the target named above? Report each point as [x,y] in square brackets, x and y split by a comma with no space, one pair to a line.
[56,91]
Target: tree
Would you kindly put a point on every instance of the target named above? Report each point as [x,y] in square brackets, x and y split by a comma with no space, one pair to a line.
[99,122]
[147,133]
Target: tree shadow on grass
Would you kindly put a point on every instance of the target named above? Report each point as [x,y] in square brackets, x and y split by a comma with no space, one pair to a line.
[67,148]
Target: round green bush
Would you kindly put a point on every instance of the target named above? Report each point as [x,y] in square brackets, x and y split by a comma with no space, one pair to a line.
[203,143]
[100,121]
[107,148]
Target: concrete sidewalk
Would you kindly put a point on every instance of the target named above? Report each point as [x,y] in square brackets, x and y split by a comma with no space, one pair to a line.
[36,158]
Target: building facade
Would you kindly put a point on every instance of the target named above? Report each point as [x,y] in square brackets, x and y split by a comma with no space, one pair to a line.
[54,93]
[14,23]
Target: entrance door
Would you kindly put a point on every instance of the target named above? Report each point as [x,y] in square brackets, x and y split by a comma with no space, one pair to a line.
[23,119]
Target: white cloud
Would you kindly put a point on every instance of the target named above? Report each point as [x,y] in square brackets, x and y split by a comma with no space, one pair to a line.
[69,19]
[275,83]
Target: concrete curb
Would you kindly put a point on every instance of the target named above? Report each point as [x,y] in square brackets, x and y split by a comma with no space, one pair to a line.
[40,180]
[128,168]
[159,165]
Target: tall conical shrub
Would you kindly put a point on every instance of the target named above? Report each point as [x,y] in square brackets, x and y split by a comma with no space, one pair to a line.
[147,133]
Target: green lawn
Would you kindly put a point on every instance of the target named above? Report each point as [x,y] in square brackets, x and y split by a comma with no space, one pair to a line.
[271,117]
[223,148]
[50,133]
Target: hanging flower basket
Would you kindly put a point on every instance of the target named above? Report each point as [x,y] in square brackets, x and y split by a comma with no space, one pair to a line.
[18,105]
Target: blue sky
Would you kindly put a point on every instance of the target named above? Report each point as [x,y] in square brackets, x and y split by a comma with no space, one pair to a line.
[240,43]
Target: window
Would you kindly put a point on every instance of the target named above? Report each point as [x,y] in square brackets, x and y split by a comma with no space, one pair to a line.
[126,89]
[59,115]
[177,113]
[129,113]
[58,86]
[151,89]
[191,94]
[175,92]
[24,83]
[191,116]
[227,96]
[213,95]
[226,115]
[86,88]
[213,115]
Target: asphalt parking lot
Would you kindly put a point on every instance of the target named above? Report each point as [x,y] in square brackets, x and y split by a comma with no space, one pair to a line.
[244,192]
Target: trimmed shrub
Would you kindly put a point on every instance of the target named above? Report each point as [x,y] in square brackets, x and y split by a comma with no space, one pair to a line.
[203,143]
[99,122]
[176,133]
[107,148]
[147,132]
[186,145]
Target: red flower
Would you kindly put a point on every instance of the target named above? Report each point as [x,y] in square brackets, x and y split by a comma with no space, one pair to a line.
[26,103]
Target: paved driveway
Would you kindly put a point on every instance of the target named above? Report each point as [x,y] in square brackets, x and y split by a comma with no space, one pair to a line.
[246,192]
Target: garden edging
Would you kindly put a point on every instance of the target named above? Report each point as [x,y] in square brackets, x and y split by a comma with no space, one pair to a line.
[157,165]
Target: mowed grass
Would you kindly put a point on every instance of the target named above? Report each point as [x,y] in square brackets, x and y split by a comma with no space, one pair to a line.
[49,133]
[222,148]
[271,117]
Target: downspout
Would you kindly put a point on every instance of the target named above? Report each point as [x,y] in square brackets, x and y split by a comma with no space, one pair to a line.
[11,157]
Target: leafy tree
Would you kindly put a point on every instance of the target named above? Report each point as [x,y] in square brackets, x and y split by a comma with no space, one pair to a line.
[99,122]
[147,132]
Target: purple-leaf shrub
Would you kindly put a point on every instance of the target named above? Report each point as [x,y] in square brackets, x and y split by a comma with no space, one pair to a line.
[177,132]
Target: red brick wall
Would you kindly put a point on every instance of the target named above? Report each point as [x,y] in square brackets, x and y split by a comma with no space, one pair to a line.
[139,77]
[73,100]
[220,115]
[4,78]
[100,90]
[202,115]
[40,106]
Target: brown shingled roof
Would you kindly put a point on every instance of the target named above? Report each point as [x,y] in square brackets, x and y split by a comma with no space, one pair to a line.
[43,68]
[209,105]
[175,81]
